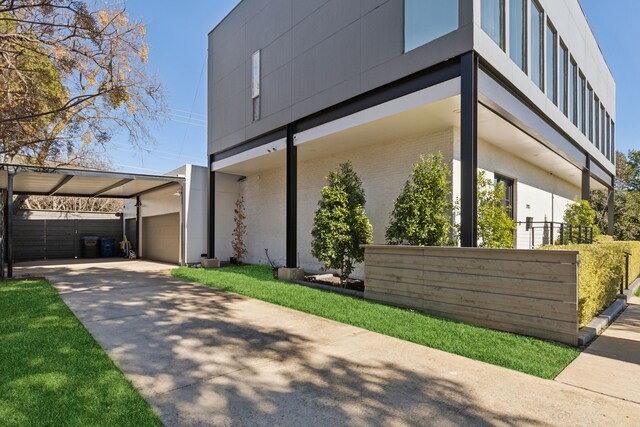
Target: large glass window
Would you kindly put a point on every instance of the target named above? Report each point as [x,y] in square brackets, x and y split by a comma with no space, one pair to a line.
[492,20]
[427,20]
[518,32]
[552,63]
[608,137]
[537,57]
[573,92]
[562,78]
[603,130]
[613,142]
[596,121]
[590,114]
[581,103]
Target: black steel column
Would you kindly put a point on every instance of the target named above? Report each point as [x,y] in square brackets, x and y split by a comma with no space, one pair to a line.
[611,208]
[211,209]
[9,235]
[292,200]
[469,150]
[586,180]
[138,227]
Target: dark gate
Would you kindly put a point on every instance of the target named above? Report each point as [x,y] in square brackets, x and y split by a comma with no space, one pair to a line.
[56,235]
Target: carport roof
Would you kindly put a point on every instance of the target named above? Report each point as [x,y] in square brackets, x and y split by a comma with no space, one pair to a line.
[45,181]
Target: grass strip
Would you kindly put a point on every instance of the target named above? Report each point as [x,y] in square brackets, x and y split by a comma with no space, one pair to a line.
[53,372]
[530,355]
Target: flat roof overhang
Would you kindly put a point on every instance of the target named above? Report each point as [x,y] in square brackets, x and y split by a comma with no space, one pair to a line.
[65,182]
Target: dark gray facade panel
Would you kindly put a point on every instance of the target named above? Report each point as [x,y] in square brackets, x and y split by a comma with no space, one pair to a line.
[315,54]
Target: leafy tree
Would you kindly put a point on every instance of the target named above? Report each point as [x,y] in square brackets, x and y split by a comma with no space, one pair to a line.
[340,225]
[495,226]
[626,198]
[422,213]
[579,214]
[89,60]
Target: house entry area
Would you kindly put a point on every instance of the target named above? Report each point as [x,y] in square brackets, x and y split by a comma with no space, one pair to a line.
[38,235]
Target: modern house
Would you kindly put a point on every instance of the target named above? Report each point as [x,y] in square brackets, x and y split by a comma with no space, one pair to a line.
[517,88]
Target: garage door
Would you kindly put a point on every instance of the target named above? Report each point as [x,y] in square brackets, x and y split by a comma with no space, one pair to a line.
[161,238]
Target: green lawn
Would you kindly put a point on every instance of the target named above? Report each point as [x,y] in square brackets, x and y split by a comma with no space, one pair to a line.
[52,371]
[533,356]
[638,292]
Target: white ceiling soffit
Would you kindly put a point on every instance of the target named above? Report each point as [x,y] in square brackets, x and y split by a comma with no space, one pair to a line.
[264,157]
[432,94]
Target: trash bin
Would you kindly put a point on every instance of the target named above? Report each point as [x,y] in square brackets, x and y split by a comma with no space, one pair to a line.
[107,247]
[90,247]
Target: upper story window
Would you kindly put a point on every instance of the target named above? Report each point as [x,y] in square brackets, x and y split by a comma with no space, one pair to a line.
[552,63]
[582,83]
[608,154]
[563,74]
[492,20]
[590,113]
[596,121]
[573,92]
[536,43]
[427,20]
[518,32]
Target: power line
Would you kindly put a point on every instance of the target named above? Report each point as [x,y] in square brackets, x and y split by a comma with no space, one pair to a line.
[193,104]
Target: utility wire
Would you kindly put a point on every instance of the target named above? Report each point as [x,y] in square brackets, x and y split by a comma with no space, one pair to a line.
[193,104]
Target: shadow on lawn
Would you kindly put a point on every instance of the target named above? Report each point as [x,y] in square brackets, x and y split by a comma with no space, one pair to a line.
[203,356]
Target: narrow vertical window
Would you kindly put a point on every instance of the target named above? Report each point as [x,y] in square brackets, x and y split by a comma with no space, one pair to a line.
[603,130]
[608,137]
[427,20]
[590,114]
[552,63]
[492,20]
[582,104]
[255,84]
[573,92]
[537,54]
[613,142]
[596,121]
[562,78]
[518,33]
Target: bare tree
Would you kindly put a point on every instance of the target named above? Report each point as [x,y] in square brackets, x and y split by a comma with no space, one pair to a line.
[72,74]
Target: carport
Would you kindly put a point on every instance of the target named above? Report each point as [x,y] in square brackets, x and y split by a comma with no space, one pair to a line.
[24,180]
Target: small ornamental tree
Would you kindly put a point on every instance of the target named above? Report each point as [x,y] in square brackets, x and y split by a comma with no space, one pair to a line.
[495,226]
[581,217]
[422,213]
[340,225]
[239,231]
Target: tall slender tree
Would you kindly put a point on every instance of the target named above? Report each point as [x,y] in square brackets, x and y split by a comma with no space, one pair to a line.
[341,225]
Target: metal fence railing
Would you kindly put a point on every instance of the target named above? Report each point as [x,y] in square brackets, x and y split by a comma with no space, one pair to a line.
[533,234]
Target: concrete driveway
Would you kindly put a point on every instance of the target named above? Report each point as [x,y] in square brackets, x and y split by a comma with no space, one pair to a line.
[205,357]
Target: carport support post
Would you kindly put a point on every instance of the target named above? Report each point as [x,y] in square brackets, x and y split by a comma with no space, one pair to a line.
[469,150]
[138,228]
[292,202]
[9,235]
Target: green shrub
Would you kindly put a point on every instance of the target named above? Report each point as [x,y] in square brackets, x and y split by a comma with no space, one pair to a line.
[579,214]
[495,226]
[341,225]
[602,266]
[422,213]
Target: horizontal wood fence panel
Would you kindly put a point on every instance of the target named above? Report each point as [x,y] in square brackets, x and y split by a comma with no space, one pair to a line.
[56,235]
[527,292]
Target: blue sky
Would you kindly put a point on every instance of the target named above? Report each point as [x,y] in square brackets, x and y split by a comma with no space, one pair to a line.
[177,37]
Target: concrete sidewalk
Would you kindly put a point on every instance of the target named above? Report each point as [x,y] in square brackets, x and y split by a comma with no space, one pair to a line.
[611,364]
[205,357]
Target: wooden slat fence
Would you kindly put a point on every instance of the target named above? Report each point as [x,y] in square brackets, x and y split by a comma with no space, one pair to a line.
[529,292]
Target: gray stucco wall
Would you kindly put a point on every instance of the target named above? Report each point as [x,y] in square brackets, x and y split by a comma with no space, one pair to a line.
[315,53]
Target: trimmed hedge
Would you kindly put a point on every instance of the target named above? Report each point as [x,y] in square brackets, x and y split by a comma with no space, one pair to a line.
[602,265]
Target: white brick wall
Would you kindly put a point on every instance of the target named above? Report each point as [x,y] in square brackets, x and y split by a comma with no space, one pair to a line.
[383,168]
